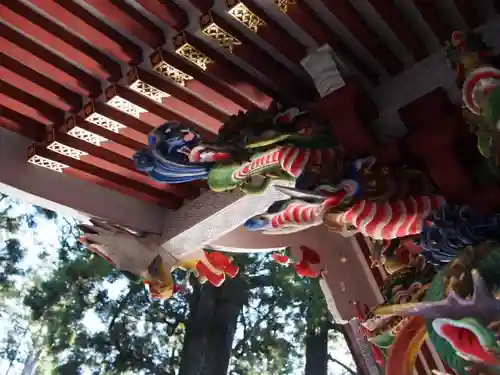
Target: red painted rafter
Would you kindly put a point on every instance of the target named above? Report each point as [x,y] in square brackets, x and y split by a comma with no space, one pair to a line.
[205,84]
[97,151]
[178,92]
[228,71]
[95,30]
[93,168]
[41,66]
[53,114]
[117,138]
[169,12]
[106,144]
[156,108]
[273,33]
[110,69]
[350,18]
[260,59]
[22,124]
[116,115]
[186,108]
[126,163]
[71,98]
[85,81]
[24,109]
[130,20]
[33,88]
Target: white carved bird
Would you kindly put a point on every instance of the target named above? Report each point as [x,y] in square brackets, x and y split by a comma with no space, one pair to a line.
[141,255]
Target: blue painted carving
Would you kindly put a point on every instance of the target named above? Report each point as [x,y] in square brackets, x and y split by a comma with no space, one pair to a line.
[453,227]
[166,159]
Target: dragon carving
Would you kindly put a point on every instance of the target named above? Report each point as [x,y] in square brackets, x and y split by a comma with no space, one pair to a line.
[460,312]
[332,206]
[479,80]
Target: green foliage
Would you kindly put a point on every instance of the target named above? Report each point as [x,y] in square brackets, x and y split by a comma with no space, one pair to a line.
[126,333]
[282,309]
[89,316]
[15,220]
[11,254]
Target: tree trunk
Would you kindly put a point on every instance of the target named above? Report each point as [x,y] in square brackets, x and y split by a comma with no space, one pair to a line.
[211,327]
[317,353]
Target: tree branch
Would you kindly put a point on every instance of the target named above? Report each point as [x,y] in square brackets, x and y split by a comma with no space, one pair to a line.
[348,369]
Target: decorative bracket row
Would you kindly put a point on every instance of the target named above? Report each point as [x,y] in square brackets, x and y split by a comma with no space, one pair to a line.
[116,101]
[165,69]
[190,53]
[144,88]
[241,13]
[283,4]
[210,28]
[92,116]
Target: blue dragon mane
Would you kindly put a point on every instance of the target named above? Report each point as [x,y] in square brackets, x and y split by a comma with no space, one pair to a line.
[453,227]
[166,159]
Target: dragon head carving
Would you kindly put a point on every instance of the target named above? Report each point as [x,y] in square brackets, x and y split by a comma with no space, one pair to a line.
[462,309]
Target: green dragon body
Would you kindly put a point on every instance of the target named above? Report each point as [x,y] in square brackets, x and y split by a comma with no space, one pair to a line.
[279,163]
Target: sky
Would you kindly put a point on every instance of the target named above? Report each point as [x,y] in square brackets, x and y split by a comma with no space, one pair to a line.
[44,238]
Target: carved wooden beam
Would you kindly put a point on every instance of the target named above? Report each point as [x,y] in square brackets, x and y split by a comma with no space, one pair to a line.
[66,95]
[112,118]
[86,81]
[94,28]
[184,73]
[201,54]
[134,103]
[53,34]
[88,131]
[55,154]
[158,89]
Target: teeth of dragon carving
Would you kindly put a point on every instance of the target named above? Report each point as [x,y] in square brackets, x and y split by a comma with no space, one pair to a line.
[482,305]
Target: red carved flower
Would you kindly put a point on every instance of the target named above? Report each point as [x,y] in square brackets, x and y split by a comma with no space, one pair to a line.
[281,259]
